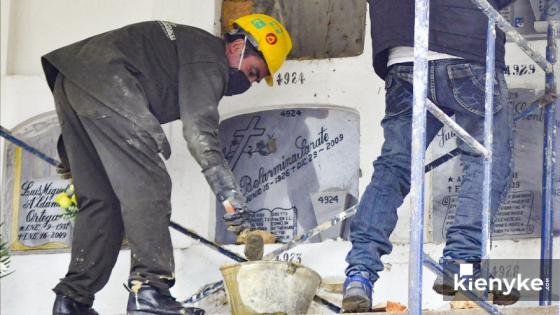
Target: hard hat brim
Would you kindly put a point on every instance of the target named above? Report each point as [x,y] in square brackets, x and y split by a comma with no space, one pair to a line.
[269,80]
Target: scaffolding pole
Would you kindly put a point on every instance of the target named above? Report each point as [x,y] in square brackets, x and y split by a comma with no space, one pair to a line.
[421,36]
[461,133]
[549,155]
[488,139]
[421,103]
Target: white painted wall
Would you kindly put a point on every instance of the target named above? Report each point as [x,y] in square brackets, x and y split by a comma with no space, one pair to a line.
[4,23]
[31,28]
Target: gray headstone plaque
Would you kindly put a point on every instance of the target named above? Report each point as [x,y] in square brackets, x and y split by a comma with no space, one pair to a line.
[326,205]
[281,157]
[29,188]
[40,219]
[520,213]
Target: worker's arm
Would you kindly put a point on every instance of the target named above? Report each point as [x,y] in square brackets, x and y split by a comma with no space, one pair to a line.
[201,86]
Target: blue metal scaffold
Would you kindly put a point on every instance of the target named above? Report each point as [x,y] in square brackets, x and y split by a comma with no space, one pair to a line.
[549,64]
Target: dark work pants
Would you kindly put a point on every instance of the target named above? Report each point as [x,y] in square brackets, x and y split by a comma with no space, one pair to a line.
[122,188]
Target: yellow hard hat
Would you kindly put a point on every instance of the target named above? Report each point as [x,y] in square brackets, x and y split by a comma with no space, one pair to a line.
[272,39]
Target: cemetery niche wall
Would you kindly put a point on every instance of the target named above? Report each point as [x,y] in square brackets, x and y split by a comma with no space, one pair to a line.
[297,167]
[33,220]
[527,16]
[319,29]
[519,215]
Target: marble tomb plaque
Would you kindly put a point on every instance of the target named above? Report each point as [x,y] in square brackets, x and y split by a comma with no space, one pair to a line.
[283,157]
[29,188]
[519,215]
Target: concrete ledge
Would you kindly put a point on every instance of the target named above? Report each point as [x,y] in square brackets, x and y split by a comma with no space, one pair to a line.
[536,310]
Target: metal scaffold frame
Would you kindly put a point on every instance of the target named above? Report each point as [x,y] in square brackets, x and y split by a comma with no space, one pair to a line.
[549,64]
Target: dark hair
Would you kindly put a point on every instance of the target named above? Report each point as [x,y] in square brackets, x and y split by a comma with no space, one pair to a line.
[250,50]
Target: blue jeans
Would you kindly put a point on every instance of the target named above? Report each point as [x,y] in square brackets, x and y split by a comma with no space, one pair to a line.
[457,88]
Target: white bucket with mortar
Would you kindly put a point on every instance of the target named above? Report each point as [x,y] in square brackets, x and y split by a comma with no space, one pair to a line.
[270,287]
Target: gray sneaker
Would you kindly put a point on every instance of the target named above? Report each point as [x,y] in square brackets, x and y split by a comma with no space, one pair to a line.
[356,295]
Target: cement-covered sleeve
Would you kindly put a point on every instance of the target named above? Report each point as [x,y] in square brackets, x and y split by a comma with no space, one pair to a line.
[201,86]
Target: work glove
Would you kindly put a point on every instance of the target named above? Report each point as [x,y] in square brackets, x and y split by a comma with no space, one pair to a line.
[237,213]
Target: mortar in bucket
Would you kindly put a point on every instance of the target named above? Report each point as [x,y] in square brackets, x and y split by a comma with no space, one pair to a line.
[270,287]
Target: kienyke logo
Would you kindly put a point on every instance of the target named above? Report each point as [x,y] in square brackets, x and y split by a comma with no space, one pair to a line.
[465,281]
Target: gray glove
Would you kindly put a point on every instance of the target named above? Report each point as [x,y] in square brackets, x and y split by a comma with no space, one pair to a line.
[237,213]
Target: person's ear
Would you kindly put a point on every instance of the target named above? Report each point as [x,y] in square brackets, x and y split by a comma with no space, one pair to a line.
[236,46]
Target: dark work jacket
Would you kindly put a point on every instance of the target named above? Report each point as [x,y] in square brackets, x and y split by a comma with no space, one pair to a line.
[457,27]
[152,73]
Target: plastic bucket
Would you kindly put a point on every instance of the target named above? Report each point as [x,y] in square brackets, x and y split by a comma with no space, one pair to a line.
[270,287]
